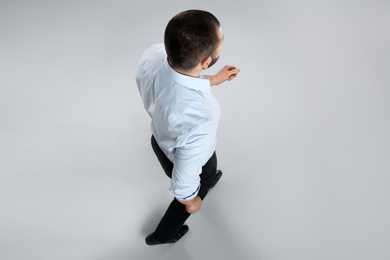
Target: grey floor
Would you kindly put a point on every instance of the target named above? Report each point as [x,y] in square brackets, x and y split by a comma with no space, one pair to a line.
[304,139]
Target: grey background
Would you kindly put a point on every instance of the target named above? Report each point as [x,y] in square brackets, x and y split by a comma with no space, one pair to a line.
[304,139]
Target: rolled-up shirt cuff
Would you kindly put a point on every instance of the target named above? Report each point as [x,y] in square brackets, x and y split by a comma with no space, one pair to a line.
[180,196]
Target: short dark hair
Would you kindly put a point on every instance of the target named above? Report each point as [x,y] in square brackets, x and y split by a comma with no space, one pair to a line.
[189,37]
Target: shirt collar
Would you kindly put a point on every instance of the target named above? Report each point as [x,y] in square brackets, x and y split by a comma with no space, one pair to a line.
[200,84]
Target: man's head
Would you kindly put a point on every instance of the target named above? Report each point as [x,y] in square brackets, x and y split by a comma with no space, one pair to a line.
[193,37]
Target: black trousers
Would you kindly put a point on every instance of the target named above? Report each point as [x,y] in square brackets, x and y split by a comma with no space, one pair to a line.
[176,214]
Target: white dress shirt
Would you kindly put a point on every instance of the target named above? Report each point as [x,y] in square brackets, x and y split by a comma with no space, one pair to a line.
[184,115]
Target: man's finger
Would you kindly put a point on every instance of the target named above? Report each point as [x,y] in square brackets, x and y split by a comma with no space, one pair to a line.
[229,68]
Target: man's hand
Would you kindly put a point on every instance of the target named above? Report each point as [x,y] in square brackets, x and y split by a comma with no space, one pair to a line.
[226,73]
[192,206]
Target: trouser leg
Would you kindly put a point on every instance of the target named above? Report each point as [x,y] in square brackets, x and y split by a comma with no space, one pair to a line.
[176,214]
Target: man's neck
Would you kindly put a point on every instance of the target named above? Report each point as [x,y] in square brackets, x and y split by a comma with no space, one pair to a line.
[195,73]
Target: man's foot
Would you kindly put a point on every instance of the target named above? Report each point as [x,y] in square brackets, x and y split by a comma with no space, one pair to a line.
[217,176]
[151,241]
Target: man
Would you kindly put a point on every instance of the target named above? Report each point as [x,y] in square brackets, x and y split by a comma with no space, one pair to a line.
[184,113]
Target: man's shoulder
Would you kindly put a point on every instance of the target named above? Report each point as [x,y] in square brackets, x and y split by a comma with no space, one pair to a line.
[151,61]
[154,52]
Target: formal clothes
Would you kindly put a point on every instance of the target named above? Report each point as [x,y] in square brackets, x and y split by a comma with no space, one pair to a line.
[184,121]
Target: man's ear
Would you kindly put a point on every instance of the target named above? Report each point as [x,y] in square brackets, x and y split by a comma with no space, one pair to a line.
[205,62]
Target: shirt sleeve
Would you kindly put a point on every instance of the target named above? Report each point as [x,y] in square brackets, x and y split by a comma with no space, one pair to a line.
[189,160]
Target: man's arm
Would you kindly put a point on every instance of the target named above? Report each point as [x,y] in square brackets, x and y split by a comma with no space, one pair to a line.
[188,163]
[226,73]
